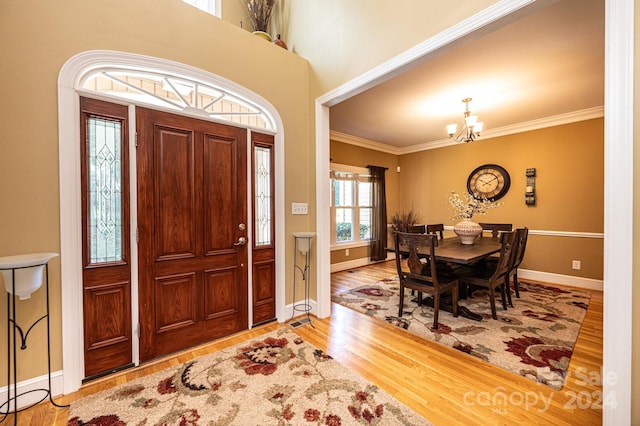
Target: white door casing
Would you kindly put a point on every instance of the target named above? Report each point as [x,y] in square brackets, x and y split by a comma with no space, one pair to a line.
[69,92]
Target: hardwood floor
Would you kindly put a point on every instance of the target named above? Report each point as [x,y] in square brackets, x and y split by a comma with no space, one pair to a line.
[444,385]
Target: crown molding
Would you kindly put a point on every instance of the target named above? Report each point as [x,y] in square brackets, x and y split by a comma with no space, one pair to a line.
[364,143]
[527,126]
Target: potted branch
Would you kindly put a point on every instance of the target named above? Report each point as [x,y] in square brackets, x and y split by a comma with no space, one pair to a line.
[259,12]
[402,221]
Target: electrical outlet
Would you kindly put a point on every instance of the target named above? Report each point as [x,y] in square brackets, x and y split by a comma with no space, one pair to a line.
[298,208]
[346,252]
[575,264]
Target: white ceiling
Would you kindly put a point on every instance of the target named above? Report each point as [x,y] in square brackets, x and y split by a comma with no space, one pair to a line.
[545,66]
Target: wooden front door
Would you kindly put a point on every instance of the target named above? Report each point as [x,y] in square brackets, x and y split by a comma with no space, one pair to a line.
[192,229]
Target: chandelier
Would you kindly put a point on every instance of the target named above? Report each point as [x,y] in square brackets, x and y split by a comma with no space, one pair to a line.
[471,128]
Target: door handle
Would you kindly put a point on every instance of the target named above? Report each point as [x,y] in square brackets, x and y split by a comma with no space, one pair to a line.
[241,241]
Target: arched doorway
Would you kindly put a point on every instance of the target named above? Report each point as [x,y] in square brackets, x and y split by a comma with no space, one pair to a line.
[210,91]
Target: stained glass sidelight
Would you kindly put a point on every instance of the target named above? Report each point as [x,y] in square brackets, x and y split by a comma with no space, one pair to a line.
[263,196]
[105,190]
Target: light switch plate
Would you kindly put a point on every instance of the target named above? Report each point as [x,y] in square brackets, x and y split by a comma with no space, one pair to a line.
[298,208]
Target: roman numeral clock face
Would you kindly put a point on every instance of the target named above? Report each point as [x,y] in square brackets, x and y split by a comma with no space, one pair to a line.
[489,181]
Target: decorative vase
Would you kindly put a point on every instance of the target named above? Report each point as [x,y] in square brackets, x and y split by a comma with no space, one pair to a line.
[279,42]
[467,230]
[263,34]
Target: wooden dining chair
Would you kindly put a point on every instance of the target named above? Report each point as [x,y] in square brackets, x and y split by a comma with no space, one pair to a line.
[423,277]
[416,229]
[522,236]
[495,228]
[491,278]
[436,228]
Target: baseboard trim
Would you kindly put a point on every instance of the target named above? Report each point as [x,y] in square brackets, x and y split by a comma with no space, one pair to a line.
[568,280]
[36,383]
[357,263]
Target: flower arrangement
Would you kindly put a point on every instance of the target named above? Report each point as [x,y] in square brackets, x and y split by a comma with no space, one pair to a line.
[260,13]
[471,206]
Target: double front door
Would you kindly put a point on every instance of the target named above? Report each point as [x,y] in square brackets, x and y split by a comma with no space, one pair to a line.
[192,245]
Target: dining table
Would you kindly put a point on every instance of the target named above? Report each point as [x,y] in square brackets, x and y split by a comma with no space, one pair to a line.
[452,251]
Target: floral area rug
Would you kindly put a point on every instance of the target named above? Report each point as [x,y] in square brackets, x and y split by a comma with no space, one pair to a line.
[275,379]
[534,339]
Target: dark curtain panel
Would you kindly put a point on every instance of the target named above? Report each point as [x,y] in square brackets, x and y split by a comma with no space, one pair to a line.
[379,214]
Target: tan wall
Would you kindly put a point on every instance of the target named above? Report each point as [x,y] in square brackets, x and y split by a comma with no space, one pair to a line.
[344,39]
[355,253]
[570,190]
[38,37]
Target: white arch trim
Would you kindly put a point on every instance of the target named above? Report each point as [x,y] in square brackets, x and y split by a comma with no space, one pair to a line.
[618,240]
[69,90]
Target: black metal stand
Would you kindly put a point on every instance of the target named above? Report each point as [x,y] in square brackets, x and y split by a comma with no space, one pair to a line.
[11,320]
[304,270]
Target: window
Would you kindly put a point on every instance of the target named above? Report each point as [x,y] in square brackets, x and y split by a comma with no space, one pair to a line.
[350,204]
[263,198]
[177,93]
[210,6]
[104,164]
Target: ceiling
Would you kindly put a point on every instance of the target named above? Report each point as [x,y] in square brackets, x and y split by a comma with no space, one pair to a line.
[545,68]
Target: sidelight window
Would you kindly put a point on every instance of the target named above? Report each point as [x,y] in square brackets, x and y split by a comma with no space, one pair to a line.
[263,188]
[104,166]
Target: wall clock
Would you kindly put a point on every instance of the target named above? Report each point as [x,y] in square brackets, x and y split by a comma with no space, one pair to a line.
[489,181]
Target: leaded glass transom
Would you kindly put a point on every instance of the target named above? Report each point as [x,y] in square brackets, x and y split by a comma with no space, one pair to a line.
[105,190]
[263,196]
[177,93]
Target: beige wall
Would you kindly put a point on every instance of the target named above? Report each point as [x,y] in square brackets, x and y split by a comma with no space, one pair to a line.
[569,186]
[38,37]
[344,39]
[569,165]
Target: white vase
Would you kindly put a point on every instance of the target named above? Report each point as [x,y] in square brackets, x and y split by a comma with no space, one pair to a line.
[467,230]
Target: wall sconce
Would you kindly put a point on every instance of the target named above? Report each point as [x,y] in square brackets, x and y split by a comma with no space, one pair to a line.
[530,194]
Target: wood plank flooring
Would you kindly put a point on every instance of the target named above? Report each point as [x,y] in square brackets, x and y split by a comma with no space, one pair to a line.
[444,385]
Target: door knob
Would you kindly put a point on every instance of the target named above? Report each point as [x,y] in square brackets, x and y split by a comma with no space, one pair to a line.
[241,241]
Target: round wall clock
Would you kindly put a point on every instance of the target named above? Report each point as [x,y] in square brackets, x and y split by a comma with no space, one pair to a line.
[489,181]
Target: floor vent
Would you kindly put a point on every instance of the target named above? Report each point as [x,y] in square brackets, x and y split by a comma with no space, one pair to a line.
[300,322]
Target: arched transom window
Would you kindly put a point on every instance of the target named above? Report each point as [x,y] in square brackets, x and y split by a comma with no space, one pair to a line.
[178,93]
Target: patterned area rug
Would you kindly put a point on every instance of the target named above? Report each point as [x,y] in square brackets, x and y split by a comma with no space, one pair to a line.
[534,339]
[275,379]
